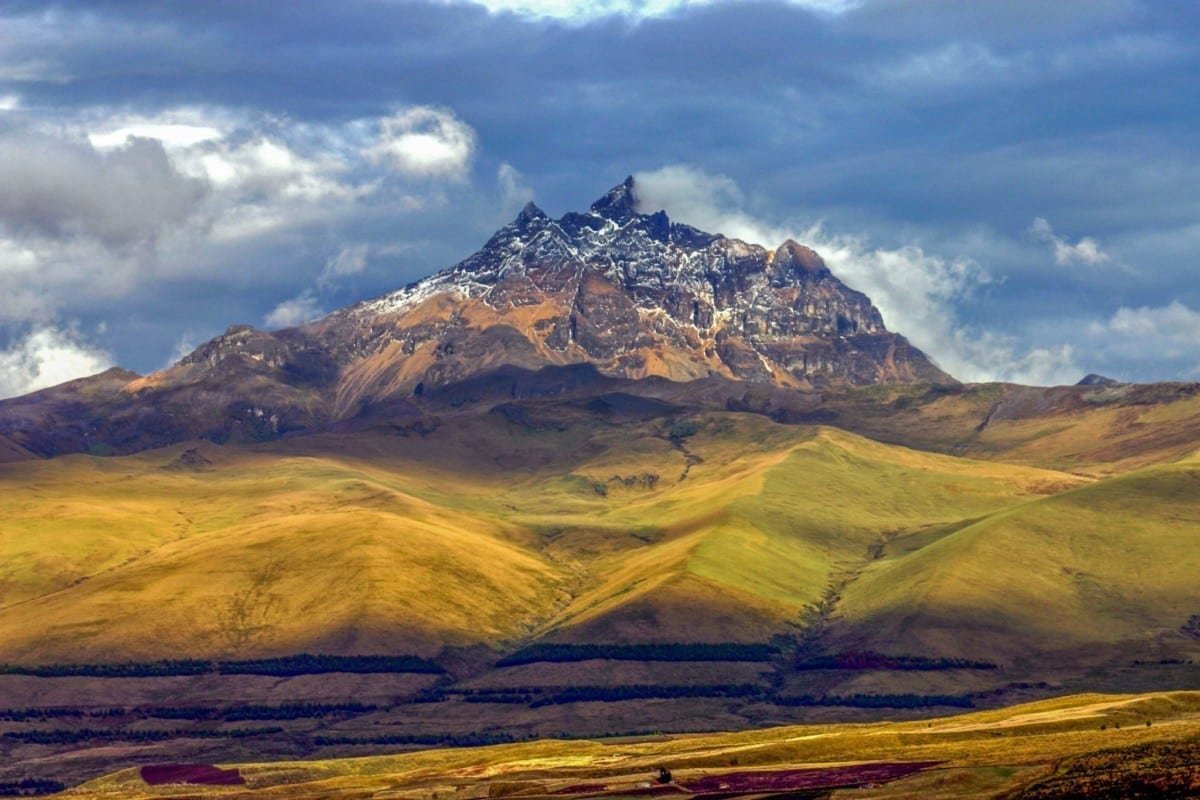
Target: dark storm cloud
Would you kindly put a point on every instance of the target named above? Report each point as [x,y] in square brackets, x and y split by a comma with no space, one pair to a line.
[948,125]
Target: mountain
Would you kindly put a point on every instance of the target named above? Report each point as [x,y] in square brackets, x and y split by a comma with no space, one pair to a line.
[609,474]
[632,295]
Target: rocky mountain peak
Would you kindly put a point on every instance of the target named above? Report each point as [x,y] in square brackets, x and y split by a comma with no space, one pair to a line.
[619,203]
[529,214]
[635,294]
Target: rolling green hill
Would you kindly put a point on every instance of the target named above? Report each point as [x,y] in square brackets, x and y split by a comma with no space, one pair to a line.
[721,527]
[1072,577]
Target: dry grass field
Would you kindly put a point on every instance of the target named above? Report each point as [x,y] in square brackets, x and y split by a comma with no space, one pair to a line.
[981,755]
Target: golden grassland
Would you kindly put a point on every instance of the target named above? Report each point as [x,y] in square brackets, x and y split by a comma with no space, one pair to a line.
[1061,548]
[982,754]
[496,533]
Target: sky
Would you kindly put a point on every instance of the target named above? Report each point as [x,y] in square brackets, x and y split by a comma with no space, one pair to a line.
[1013,182]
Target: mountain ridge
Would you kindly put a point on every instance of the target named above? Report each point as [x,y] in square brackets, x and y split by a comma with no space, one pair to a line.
[634,295]
[640,295]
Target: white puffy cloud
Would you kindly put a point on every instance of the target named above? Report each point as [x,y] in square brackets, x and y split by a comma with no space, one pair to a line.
[585,10]
[171,135]
[425,142]
[1174,322]
[985,355]
[302,308]
[1085,251]
[9,102]
[45,357]
[917,292]
[1169,333]
[38,275]
[105,203]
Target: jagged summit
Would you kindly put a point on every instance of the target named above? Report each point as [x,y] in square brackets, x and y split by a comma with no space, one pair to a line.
[528,214]
[637,294]
[619,203]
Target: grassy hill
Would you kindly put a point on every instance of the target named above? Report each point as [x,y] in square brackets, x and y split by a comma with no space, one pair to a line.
[1076,576]
[720,527]
[540,552]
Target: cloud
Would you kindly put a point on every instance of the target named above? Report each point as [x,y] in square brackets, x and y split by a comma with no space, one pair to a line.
[302,308]
[1085,251]
[350,260]
[1133,336]
[60,187]
[1174,323]
[306,306]
[184,345]
[104,205]
[987,356]
[171,135]
[580,11]
[39,275]
[514,191]
[46,357]
[425,142]
[917,292]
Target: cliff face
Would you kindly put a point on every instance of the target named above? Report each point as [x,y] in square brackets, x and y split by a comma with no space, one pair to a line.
[631,295]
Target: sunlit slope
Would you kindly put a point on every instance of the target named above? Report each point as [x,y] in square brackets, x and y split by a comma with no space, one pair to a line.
[759,530]
[491,531]
[1106,568]
[259,555]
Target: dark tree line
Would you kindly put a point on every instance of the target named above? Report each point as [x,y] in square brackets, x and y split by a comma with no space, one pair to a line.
[539,696]
[288,711]
[77,735]
[561,653]
[877,700]
[287,666]
[878,661]
[608,694]
[30,787]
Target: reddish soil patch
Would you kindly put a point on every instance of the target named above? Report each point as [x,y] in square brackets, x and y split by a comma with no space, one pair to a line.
[732,783]
[650,791]
[205,774]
